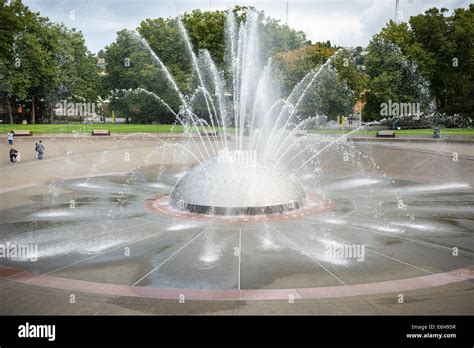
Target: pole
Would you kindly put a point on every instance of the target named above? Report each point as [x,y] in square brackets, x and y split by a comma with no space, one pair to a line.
[397,5]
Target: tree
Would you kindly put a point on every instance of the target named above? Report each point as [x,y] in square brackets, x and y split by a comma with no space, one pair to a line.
[34,47]
[431,30]
[461,79]
[79,72]
[206,31]
[401,35]
[329,95]
[14,82]
[9,24]
[442,48]
[165,39]
[333,92]
[139,106]
[295,64]
[277,37]
[393,77]
[347,70]
[129,65]
[42,61]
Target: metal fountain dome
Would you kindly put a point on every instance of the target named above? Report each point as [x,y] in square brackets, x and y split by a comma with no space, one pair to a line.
[237,183]
[235,105]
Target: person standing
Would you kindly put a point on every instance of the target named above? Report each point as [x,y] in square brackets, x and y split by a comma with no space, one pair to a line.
[10,137]
[40,150]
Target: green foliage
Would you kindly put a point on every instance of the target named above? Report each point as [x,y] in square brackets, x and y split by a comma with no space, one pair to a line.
[442,47]
[78,77]
[277,37]
[42,62]
[393,77]
[431,30]
[88,128]
[334,92]
[129,66]
[347,69]
[206,31]
[139,106]
[328,95]
[9,24]
[165,40]
[295,64]
[460,79]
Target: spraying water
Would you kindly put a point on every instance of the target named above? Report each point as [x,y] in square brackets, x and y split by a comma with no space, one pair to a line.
[249,108]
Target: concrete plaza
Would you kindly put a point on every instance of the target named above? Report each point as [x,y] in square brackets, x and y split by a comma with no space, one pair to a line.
[189,266]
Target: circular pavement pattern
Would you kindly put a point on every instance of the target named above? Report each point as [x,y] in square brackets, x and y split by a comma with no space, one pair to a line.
[117,235]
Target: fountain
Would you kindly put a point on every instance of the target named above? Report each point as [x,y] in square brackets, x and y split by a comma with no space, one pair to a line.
[265,127]
[243,207]
[226,186]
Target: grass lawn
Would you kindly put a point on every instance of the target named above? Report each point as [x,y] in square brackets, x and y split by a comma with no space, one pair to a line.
[420,132]
[444,131]
[87,128]
[165,128]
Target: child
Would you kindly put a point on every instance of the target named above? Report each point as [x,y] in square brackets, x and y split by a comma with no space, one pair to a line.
[13,155]
[10,137]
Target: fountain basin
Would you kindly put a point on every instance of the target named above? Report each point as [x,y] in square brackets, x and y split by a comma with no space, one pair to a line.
[237,183]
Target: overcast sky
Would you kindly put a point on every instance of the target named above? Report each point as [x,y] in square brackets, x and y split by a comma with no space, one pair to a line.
[344,22]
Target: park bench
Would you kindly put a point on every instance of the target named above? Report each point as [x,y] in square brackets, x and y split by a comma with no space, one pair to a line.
[385,134]
[214,134]
[210,134]
[23,133]
[100,132]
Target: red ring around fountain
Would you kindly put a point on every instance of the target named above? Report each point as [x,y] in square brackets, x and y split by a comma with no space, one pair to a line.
[316,204]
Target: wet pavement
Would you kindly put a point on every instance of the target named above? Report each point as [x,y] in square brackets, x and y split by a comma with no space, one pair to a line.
[98,230]
[397,224]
